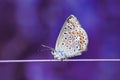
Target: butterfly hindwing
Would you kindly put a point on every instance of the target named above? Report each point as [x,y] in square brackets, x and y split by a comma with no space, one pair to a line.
[72,39]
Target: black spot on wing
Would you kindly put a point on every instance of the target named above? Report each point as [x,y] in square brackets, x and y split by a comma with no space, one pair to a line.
[76,46]
[65,33]
[69,27]
[74,50]
[65,38]
[69,41]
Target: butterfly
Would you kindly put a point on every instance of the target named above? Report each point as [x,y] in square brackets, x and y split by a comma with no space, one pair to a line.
[72,40]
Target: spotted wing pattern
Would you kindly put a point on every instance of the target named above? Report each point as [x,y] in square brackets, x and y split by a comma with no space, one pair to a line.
[72,39]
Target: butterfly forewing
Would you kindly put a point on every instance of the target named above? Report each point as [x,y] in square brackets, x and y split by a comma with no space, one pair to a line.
[72,39]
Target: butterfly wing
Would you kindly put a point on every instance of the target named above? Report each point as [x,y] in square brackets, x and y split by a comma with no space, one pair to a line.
[72,39]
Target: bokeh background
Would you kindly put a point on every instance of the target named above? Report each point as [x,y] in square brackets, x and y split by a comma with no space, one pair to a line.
[26,24]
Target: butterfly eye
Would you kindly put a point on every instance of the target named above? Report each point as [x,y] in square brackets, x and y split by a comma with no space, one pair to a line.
[52,51]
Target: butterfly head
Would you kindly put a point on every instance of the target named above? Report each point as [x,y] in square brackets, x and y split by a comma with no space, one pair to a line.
[53,51]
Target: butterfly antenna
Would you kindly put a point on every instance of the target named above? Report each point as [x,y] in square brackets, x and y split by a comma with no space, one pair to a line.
[47,47]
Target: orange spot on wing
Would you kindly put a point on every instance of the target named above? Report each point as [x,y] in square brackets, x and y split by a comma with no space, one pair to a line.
[80,34]
[72,23]
[81,47]
[81,38]
[74,32]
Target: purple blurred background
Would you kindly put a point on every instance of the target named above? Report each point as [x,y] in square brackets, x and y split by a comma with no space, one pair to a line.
[26,24]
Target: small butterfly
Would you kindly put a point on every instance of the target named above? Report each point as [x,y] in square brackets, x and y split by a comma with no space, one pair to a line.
[72,40]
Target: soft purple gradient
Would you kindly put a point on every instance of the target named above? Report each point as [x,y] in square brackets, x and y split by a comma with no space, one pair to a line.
[26,24]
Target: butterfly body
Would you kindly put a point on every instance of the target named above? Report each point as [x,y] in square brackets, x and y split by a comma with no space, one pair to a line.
[72,40]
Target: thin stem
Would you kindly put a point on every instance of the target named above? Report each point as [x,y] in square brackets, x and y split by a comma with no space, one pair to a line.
[55,60]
